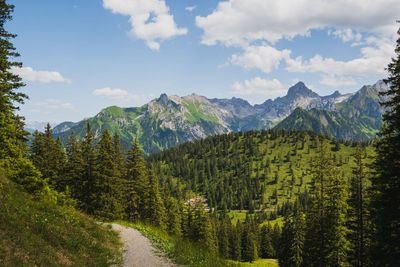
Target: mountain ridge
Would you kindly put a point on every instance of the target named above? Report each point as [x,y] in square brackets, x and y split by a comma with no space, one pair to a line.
[171,120]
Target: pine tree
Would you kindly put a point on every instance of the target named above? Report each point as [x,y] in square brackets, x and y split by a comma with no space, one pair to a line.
[325,242]
[136,183]
[267,249]
[386,183]
[13,137]
[107,187]
[235,242]
[155,213]
[292,240]
[173,215]
[74,170]
[358,221]
[249,243]
[49,158]
[89,170]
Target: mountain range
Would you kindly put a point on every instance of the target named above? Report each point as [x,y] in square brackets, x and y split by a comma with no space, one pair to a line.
[171,120]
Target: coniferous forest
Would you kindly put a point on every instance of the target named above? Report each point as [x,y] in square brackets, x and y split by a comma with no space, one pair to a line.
[304,199]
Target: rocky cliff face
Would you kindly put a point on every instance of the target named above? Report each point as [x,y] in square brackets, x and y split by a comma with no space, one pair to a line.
[170,120]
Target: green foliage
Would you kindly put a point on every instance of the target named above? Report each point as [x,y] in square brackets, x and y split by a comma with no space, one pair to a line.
[248,171]
[337,124]
[136,183]
[182,252]
[359,216]
[49,158]
[108,182]
[292,240]
[326,232]
[41,233]
[13,137]
[386,183]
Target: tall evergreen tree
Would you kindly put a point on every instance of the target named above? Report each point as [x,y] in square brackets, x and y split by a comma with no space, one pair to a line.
[155,214]
[107,187]
[13,137]
[267,249]
[89,170]
[74,170]
[136,183]
[325,242]
[49,158]
[359,221]
[386,183]
[292,240]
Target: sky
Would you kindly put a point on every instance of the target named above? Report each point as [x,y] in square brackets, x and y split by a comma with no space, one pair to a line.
[82,56]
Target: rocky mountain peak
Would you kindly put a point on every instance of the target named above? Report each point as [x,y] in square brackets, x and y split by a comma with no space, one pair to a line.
[300,90]
[163,99]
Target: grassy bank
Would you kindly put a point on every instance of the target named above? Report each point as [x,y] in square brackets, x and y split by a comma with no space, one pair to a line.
[39,233]
[180,251]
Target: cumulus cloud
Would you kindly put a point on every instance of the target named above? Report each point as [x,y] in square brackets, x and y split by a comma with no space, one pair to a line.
[190,8]
[336,81]
[119,94]
[151,20]
[53,104]
[259,86]
[238,22]
[347,35]
[373,61]
[265,58]
[29,74]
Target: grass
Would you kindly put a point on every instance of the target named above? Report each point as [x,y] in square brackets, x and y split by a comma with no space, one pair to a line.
[237,216]
[256,263]
[39,233]
[180,251]
[278,221]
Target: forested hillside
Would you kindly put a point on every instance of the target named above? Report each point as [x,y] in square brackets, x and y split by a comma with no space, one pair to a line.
[253,170]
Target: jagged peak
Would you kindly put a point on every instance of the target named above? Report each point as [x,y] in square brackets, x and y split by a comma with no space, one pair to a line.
[163,99]
[300,89]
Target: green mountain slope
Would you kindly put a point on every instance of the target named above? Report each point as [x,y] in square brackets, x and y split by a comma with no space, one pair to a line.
[360,117]
[160,124]
[254,170]
[171,120]
[38,233]
[331,123]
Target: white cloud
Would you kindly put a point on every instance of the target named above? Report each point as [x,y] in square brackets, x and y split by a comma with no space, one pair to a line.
[239,22]
[119,94]
[347,35]
[335,81]
[373,61]
[190,8]
[259,86]
[150,20]
[53,104]
[68,106]
[265,58]
[29,74]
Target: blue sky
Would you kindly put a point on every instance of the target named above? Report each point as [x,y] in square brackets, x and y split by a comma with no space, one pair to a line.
[82,56]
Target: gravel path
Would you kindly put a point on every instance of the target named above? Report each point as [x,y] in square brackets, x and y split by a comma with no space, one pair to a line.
[138,251]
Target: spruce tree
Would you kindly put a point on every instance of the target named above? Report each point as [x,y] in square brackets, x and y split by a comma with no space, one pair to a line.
[325,242]
[358,215]
[267,249]
[13,137]
[292,240]
[74,170]
[89,170]
[386,183]
[107,187]
[136,182]
[49,158]
[155,214]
